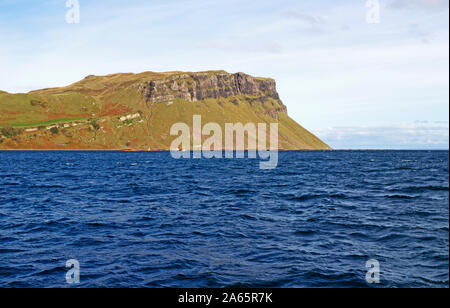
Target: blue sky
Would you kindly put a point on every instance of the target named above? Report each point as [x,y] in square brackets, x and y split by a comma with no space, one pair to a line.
[354,84]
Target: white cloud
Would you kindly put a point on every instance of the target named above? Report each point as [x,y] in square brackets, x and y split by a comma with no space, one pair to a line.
[310,19]
[424,4]
[418,135]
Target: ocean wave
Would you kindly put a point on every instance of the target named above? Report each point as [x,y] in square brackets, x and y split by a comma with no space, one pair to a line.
[314,221]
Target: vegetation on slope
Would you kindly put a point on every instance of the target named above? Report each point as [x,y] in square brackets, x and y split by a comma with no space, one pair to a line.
[136,111]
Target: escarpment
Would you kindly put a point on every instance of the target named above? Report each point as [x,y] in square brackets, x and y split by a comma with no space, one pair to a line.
[195,87]
[136,111]
[198,86]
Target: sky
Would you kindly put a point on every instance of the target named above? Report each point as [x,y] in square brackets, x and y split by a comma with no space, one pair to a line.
[357,81]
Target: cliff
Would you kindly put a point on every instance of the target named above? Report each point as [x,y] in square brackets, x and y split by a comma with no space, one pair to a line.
[200,86]
[136,111]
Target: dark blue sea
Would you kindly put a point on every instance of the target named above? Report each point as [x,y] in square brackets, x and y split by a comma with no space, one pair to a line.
[143,219]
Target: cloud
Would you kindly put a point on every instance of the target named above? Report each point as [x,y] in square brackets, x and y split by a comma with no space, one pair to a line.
[424,4]
[416,31]
[417,135]
[310,19]
[239,45]
[314,25]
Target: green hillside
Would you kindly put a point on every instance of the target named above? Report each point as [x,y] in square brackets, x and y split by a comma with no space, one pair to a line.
[136,111]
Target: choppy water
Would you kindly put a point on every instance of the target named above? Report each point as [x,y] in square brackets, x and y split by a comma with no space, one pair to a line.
[147,220]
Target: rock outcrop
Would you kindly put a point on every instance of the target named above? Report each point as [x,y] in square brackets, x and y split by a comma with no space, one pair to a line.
[199,86]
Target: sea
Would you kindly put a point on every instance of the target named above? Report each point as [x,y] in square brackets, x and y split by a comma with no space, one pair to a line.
[144,219]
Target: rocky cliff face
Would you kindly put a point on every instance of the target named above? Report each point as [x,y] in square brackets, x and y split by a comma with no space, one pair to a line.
[193,87]
[199,86]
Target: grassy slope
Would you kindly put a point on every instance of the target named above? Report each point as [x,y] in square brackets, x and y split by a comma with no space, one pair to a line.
[106,98]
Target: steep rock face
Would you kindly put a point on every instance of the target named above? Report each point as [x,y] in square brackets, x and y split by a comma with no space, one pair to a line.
[199,86]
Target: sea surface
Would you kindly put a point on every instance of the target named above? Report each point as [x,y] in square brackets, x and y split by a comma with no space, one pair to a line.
[144,219]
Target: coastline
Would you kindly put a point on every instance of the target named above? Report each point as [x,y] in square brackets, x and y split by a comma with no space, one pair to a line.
[279,150]
[146,150]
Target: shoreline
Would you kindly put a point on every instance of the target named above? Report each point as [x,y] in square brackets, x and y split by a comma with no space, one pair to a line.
[279,150]
[150,150]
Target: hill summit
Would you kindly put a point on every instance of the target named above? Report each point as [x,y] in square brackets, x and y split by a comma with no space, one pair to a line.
[136,111]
